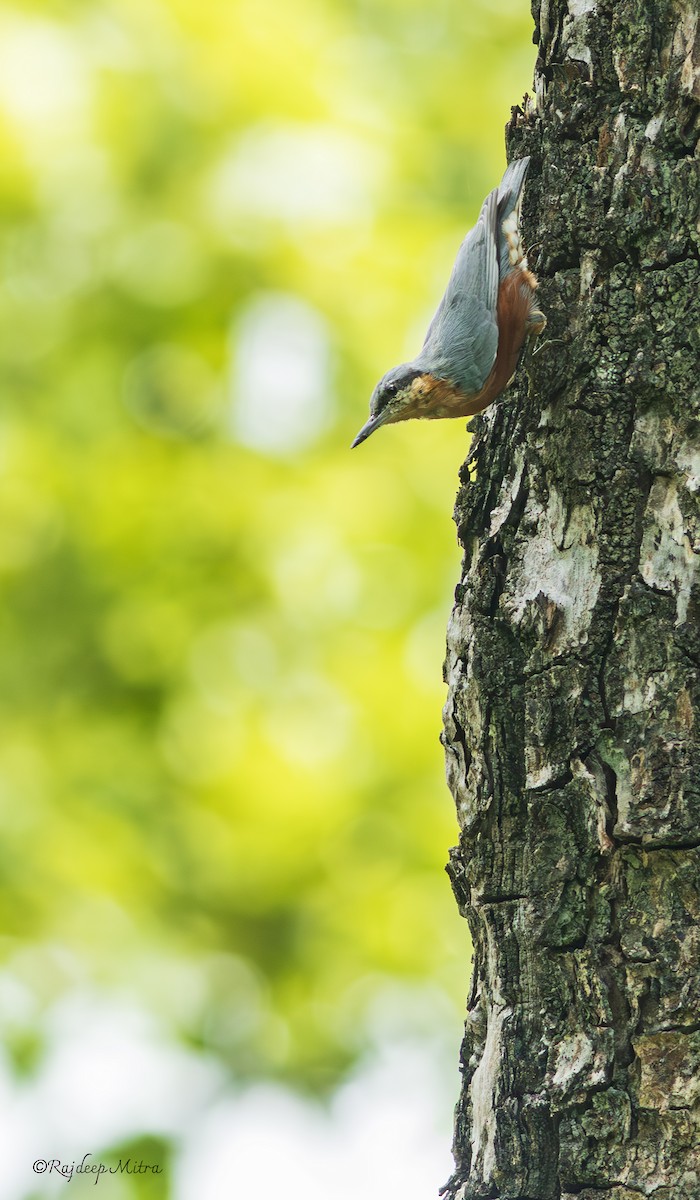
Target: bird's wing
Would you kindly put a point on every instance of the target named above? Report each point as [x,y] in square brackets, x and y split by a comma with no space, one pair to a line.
[462,340]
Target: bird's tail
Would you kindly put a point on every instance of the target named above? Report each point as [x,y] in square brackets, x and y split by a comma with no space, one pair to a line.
[511,186]
[509,198]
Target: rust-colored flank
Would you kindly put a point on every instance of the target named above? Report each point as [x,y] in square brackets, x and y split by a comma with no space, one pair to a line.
[516,313]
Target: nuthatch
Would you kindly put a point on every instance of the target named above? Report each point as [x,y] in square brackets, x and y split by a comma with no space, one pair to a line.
[474,341]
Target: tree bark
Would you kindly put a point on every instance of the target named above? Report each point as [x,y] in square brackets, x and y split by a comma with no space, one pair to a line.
[572,719]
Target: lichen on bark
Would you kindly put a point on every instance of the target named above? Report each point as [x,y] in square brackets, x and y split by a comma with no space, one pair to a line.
[572,724]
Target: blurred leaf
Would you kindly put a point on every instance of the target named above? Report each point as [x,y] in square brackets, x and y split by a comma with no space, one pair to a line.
[221,633]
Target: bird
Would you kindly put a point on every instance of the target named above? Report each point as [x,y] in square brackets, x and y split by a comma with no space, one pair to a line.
[473,343]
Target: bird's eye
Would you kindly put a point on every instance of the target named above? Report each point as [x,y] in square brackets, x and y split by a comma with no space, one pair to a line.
[384,395]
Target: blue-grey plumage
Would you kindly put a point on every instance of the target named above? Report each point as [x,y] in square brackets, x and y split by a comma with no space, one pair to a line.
[462,338]
[474,340]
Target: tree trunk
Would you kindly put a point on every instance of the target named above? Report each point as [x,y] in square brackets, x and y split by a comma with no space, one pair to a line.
[571,725]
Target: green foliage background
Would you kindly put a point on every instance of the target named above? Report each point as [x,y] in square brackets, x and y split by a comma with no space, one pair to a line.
[221,784]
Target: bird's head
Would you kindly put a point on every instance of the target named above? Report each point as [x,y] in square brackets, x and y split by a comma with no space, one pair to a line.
[392,397]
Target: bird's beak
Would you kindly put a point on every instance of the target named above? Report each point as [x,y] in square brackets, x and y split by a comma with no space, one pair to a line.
[367,428]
